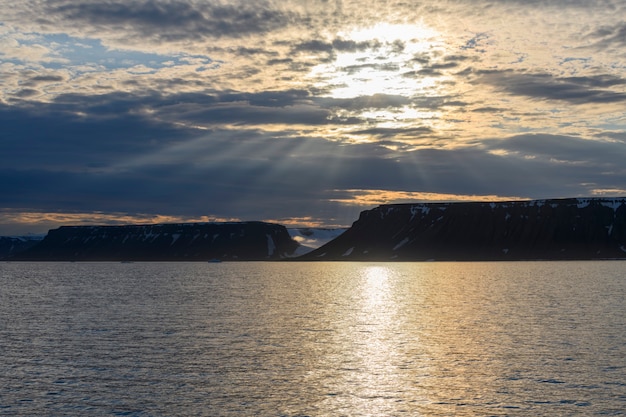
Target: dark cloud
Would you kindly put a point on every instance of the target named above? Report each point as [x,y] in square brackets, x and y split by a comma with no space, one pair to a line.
[280,61]
[488,110]
[355,69]
[615,136]
[609,36]
[314,45]
[381,132]
[575,90]
[244,174]
[174,20]
[26,92]
[375,101]
[558,149]
[343,45]
[243,113]
[269,107]
[142,166]
[78,134]
[432,67]
[337,45]
[550,3]
[47,79]
[84,132]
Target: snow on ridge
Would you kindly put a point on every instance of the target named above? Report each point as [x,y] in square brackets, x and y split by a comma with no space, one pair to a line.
[582,202]
[419,208]
[613,204]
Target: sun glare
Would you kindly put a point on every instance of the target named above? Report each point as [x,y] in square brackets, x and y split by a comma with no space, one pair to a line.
[381,63]
[386,61]
[376,286]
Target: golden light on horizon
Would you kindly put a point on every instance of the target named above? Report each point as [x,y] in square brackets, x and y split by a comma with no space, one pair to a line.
[45,219]
[377,197]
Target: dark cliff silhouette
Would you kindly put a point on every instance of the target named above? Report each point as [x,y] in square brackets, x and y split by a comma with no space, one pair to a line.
[237,241]
[11,245]
[560,229]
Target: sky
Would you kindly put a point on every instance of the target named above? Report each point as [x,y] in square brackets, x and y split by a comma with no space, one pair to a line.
[303,112]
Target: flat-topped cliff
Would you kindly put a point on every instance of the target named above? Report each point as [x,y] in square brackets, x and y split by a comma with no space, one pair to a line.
[240,241]
[559,229]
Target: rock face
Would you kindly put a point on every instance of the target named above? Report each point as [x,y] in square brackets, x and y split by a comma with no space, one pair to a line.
[10,245]
[243,241]
[591,228]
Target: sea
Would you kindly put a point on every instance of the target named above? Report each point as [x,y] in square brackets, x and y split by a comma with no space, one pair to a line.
[313,339]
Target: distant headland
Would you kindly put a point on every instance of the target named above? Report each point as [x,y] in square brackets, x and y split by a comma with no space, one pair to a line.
[554,229]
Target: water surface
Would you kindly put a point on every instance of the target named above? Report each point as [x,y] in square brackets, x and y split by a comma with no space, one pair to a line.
[316,339]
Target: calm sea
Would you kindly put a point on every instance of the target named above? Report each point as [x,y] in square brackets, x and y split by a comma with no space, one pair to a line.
[313,339]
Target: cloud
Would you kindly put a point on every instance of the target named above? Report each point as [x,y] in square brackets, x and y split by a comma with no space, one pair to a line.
[292,109]
[611,37]
[77,132]
[257,175]
[369,198]
[575,90]
[389,133]
[46,79]
[337,45]
[374,101]
[174,20]
[557,149]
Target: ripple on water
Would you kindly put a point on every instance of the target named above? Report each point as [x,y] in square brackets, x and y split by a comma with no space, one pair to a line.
[313,339]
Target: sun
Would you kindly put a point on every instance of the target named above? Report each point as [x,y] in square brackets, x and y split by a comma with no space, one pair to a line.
[383,62]
[387,69]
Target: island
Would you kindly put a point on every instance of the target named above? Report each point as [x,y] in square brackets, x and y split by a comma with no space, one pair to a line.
[551,229]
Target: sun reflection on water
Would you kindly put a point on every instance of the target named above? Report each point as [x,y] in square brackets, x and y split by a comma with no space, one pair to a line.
[375,288]
[373,361]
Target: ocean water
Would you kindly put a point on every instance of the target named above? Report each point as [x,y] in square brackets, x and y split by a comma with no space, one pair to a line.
[313,339]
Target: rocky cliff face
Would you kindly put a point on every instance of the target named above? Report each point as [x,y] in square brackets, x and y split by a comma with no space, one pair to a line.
[592,228]
[12,245]
[164,242]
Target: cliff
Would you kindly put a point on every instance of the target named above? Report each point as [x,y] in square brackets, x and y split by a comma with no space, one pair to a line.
[242,241]
[11,245]
[562,229]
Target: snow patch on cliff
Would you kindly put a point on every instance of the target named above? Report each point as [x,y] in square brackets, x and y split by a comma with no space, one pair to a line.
[613,204]
[271,245]
[402,243]
[582,203]
[348,252]
[419,208]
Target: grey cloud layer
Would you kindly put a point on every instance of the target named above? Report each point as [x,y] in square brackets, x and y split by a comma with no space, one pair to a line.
[576,90]
[130,163]
[175,20]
